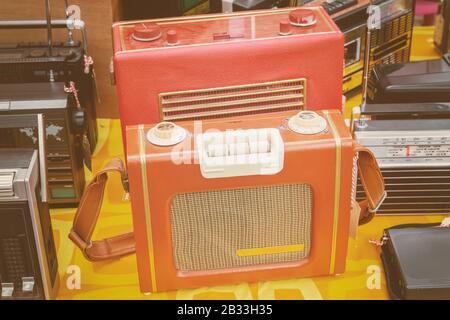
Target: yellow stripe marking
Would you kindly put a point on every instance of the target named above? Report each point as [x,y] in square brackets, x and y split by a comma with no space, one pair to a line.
[337,187]
[270,250]
[145,193]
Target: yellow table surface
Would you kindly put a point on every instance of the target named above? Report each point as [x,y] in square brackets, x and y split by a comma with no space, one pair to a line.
[118,279]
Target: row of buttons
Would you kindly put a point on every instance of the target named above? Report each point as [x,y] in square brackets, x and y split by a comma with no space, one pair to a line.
[27,287]
[331,7]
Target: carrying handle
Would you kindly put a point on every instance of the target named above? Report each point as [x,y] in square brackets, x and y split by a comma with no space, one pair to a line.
[48,15]
[115,247]
[43,24]
[372,182]
[34,121]
[87,215]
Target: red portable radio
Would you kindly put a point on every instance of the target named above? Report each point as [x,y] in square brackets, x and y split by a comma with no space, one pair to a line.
[219,65]
[256,198]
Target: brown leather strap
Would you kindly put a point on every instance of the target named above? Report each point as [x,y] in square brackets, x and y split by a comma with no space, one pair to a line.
[87,215]
[372,182]
[118,246]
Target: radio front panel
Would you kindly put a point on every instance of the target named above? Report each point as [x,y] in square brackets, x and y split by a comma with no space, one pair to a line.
[415,162]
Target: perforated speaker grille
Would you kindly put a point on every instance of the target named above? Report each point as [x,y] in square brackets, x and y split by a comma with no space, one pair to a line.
[233,101]
[241,227]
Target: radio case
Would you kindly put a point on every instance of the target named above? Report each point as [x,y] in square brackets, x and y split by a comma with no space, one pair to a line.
[236,64]
[218,225]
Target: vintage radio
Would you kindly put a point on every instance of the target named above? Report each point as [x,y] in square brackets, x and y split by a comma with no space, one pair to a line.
[413,153]
[227,65]
[66,147]
[419,81]
[144,9]
[442,28]
[393,111]
[28,262]
[241,209]
[52,61]
[228,6]
[351,18]
[391,43]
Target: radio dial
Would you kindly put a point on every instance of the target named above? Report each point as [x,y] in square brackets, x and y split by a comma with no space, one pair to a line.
[166,134]
[307,122]
[302,18]
[147,32]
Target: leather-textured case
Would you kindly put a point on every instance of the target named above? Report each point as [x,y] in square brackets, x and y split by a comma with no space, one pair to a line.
[416,261]
[236,64]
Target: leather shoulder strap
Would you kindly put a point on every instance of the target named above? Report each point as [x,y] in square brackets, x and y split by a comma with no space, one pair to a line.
[115,247]
[372,182]
[87,215]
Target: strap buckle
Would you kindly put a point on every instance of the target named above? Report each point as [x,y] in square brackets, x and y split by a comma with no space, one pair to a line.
[125,182]
[374,210]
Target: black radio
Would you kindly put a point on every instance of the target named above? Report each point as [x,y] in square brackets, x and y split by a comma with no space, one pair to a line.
[241,5]
[28,261]
[442,28]
[418,81]
[66,141]
[66,62]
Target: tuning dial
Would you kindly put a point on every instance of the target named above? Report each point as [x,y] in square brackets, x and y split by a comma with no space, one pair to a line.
[307,122]
[302,17]
[285,28]
[147,32]
[166,134]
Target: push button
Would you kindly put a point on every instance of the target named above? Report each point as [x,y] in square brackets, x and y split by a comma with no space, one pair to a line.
[7,290]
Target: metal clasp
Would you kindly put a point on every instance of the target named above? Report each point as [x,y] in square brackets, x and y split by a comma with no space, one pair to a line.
[379,203]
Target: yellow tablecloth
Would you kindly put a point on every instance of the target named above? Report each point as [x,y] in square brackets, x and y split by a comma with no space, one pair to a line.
[118,279]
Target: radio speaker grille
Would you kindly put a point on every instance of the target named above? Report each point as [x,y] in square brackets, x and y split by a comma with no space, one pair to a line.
[415,191]
[233,101]
[241,227]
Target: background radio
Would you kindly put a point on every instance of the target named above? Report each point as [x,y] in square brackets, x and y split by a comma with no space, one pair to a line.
[50,61]
[28,261]
[64,135]
[391,43]
[412,146]
[442,28]
[236,60]
[418,81]
[228,6]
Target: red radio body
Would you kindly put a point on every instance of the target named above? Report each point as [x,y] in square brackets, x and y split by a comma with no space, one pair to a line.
[285,216]
[227,65]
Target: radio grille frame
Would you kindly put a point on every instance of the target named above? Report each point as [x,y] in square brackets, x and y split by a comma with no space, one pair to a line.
[273,96]
[221,229]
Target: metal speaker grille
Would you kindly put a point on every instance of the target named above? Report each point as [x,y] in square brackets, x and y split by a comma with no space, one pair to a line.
[210,229]
[415,191]
[233,101]
[14,260]
[392,29]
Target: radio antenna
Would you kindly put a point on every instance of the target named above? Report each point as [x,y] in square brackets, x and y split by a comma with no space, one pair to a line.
[371,24]
[68,15]
[49,35]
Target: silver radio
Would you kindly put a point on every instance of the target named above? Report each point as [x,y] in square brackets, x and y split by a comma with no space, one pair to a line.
[414,156]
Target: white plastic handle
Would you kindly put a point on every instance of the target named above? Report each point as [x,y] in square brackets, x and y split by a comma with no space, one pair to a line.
[240,153]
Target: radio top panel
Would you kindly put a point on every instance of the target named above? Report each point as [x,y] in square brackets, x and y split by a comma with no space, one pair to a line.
[29,96]
[213,29]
